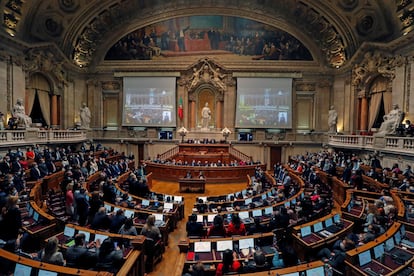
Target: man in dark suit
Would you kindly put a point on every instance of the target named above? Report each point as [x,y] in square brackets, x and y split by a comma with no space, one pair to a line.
[43,167]
[5,166]
[35,172]
[101,220]
[117,221]
[78,256]
[51,165]
[15,165]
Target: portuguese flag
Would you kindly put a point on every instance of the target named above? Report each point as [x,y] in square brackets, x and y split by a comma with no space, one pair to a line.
[180,109]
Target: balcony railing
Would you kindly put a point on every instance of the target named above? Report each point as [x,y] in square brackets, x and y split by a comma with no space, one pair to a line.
[403,145]
[13,137]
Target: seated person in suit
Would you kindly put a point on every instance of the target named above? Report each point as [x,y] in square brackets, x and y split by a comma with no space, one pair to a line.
[336,256]
[79,256]
[193,227]
[109,257]
[372,232]
[257,227]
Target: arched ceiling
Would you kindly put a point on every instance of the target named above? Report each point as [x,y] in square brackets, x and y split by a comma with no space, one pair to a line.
[84,30]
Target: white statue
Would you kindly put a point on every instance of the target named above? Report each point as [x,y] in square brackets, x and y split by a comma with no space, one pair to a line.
[195,79]
[205,116]
[332,120]
[391,121]
[85,116]
[20,114]
[2,121]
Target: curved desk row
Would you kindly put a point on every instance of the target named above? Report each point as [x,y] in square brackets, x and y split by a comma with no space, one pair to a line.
[212,174]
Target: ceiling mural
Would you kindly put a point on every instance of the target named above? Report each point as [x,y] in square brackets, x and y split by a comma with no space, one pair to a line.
[195,35]
[84,30]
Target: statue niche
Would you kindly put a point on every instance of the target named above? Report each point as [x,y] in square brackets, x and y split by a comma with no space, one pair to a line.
[206,83]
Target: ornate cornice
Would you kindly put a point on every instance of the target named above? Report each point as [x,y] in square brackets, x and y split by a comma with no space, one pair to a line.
[206,71]
[375,63]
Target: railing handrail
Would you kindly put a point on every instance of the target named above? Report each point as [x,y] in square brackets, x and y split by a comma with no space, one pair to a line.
[169,153]
[34,136]
[238,154]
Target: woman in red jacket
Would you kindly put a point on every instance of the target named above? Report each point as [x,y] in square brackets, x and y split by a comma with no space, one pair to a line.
[236,226]
[229,264]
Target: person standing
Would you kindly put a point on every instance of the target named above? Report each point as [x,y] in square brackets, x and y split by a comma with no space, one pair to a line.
[181,38]
[11,223]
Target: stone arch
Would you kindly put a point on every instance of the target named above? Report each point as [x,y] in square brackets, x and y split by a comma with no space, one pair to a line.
[206,81]
[206,94]
[375,65]
[41,101]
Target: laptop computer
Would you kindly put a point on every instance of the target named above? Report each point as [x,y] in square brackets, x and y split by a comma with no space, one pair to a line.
[68,235]
[305,231]
[379,251]
[364,258]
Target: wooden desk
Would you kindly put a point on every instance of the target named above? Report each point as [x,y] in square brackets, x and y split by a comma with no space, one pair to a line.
[350,209]
[212,174]
[61,270]
[387,266]
[206,148]
[44,227]
[314,242]
[189,185]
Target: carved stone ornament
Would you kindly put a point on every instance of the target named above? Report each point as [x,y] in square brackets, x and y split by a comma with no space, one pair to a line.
[41,60]
[206,72]
[111,86]
[305,87]
[376,63]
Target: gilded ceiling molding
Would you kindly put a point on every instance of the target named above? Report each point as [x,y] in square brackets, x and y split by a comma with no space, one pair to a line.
[12,15]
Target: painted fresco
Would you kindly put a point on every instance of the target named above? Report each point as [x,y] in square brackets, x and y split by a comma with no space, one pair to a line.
[201,35]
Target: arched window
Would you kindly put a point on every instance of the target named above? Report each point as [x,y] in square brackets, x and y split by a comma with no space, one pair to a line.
[38,103]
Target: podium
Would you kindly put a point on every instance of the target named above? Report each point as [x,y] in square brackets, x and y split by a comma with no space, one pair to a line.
[190,185]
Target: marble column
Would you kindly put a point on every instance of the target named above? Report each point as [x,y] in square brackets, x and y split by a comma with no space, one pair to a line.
[364,114]
[219,114]
[192,115]
[54,120]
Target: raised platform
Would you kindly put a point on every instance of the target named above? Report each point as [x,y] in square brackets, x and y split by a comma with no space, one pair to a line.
[202,134]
